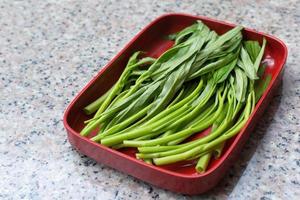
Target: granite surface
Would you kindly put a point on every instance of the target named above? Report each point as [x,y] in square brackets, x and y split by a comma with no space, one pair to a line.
[50,49]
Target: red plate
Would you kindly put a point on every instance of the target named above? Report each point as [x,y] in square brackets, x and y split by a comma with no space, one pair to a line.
[179,177]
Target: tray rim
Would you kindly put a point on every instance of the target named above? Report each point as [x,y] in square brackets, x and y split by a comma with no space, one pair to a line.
[238,136]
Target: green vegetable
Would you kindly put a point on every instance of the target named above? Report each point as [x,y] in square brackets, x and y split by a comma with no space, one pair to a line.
[204,81]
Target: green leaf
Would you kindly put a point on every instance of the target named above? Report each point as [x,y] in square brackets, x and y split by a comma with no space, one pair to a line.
[213,66]
[211,38]
[220,41]
[213,49]
[169,54]
[253,49]
[179,58]
[222,74]
[240,85]
[246,64]
[260,55]
[137,105]
[173,83]
[261,86]
[261,70]
[187,32]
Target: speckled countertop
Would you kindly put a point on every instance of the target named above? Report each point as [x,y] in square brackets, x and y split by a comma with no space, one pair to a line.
[50,49]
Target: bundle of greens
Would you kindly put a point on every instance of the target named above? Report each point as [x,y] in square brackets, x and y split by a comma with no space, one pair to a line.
[203,81]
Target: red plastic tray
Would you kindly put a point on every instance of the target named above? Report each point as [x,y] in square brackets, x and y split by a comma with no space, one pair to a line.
[179,177]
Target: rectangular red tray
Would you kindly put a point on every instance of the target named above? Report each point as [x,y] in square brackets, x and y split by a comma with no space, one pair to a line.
[180,177]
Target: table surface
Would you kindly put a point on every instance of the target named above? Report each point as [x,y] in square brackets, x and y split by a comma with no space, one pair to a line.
[50,49]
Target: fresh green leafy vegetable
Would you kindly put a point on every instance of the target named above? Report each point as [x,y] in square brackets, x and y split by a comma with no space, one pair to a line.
[204,81]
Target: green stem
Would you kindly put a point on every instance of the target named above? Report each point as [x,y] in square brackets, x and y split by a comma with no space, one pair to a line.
[184,133]
[217,152]
[122,125]
[203,116]
[149,161]
[203,162]
[200,102]
[212,144]
[140,131]
[153,149]
[177,98]
[114,101]
[177,106]
[190,145]
[92,107]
